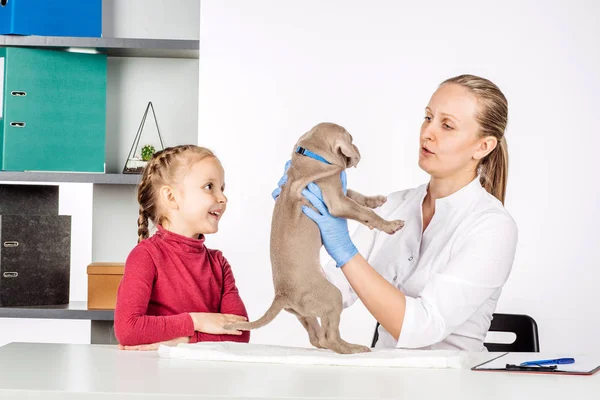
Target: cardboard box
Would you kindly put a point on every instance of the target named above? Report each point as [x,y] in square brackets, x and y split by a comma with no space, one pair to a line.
[103,281]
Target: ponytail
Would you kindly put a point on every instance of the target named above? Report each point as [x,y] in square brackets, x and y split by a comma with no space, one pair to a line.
[494,170]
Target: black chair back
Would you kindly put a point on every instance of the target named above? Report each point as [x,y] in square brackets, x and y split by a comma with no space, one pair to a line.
[523,326]
[375,336]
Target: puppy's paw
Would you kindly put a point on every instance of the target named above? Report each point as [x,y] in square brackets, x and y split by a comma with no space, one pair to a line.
[392,227]
[354,349]
[375,201]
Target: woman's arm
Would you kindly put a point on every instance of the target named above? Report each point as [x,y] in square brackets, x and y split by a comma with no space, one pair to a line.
[363,238]
[480,266]
[383,300]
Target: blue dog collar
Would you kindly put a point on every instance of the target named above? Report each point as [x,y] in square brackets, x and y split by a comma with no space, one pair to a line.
[308,153]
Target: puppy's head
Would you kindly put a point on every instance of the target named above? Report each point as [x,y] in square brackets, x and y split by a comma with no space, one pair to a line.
[333,142]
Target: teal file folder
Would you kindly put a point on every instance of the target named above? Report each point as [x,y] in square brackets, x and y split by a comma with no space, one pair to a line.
[53,111]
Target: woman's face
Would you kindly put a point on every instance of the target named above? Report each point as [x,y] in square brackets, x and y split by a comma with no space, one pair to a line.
[450,142]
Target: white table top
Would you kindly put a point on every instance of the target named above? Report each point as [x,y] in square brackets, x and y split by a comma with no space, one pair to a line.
[52,371]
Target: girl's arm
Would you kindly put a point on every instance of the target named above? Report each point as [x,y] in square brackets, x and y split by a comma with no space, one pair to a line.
[231,303]
[132,325]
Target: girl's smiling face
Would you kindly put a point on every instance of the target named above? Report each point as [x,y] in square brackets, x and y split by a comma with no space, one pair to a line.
[200,198]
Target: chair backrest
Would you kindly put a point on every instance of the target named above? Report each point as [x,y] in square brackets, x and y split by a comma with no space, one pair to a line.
[523,326]
[375,336]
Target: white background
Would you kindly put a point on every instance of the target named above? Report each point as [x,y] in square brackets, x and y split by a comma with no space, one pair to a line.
[270,70]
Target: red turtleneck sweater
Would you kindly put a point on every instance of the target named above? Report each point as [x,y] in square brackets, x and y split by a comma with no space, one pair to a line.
[166,277]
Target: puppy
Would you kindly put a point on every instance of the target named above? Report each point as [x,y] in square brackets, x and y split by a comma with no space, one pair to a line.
[320,156]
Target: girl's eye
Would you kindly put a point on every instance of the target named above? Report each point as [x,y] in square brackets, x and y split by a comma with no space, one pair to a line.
[446,126]
[428,119]
[209,186]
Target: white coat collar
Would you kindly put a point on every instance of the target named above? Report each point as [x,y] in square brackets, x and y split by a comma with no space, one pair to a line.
[460,198]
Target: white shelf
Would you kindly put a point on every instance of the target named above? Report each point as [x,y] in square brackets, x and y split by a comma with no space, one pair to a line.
[76,177]
[113,47]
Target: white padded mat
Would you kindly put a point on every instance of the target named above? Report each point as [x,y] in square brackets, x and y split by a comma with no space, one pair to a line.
[258,353]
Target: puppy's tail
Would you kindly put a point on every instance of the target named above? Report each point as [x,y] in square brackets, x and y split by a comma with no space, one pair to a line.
[270,314]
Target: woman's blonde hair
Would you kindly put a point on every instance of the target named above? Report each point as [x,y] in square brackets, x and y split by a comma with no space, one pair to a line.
[492,118]
[163,169]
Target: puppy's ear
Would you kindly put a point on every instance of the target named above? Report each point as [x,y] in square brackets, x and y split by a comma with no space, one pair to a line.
[348,150]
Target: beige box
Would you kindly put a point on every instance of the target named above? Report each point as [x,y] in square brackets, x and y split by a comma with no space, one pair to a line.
[103,282]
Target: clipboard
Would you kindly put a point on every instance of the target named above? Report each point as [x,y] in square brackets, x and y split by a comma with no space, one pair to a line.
[510,362]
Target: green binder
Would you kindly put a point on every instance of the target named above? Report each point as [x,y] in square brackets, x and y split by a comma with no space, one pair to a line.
[53,111]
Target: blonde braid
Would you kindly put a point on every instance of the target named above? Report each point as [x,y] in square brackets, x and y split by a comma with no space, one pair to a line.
[143,232]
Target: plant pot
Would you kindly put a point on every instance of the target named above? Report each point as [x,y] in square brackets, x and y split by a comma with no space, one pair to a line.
[134,166]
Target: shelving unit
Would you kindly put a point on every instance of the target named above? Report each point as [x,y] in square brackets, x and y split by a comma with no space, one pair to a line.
[161,70]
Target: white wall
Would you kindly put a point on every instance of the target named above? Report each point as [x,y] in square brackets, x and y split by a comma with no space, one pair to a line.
[271,70]
[172,87]
[155,19]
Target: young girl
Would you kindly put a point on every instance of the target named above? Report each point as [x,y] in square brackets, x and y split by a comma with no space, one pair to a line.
[174,289]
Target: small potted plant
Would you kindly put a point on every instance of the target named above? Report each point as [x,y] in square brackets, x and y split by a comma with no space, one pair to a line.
[136,164]
[147,152]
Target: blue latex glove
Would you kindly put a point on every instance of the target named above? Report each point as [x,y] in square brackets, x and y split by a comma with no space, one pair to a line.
[334,231]
[284,179]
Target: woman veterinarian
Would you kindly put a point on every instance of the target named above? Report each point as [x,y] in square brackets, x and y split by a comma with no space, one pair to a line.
[435,283]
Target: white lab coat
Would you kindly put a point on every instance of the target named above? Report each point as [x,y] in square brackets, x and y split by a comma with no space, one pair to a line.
[452,274]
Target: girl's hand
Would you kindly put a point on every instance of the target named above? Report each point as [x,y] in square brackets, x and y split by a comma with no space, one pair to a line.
[154,346]
[214,323]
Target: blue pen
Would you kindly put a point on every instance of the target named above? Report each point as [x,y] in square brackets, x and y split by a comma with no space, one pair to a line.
[546,362]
